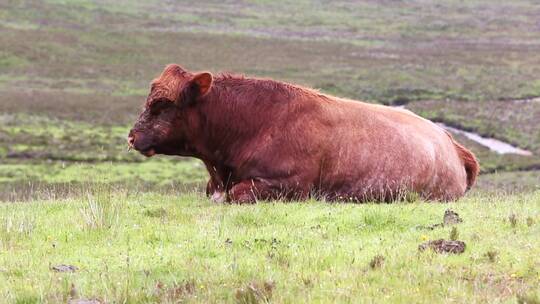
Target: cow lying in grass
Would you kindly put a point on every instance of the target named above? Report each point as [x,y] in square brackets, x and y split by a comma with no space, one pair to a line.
[264,139]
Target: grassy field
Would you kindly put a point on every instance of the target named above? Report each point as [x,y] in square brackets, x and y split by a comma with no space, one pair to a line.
[170,248]
[387,53]
[74,74]
[78,62]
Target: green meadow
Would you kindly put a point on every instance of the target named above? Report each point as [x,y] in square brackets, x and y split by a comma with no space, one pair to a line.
[179,247]
[83,219]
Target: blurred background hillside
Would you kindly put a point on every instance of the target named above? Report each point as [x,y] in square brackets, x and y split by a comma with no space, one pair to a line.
[74,74]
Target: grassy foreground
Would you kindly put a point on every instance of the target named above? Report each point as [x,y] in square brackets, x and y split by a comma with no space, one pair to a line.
[171,248]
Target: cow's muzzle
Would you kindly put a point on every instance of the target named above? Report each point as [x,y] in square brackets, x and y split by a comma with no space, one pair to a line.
[130,141]
[136,143]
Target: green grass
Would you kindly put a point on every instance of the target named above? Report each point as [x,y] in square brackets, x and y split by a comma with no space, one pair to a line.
[40,137]
[73,75]
[60,179]
[60,172]
[508,182]
[142,248]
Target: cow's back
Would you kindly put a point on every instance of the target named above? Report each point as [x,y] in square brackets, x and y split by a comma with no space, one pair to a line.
[295,140]
[378,152]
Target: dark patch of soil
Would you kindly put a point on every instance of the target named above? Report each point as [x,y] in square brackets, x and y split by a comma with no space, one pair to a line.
[177,293]
[64,268]
[444,246]
[84,301]
[28,155]
[255,292]
[377,262]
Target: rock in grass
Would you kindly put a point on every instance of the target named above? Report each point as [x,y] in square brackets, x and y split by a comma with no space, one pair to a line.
[444,246]
[451,218]
[64,268]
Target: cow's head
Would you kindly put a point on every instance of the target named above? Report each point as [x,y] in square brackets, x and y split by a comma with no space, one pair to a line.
[164,125]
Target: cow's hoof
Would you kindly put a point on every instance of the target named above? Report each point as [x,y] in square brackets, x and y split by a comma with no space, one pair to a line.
[218,197]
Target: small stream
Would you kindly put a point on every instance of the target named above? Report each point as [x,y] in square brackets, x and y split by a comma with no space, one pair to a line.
[493,144]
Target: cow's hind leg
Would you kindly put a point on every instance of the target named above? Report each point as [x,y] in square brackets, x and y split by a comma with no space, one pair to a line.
[249,191]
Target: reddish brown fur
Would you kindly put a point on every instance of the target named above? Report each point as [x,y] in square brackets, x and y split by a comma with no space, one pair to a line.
[263,139]
[168,84]
[471,164]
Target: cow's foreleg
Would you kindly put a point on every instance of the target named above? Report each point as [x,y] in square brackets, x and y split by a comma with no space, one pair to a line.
[215,188]
[215,191]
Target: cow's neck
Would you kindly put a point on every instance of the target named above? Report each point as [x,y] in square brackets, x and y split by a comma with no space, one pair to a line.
[224,129]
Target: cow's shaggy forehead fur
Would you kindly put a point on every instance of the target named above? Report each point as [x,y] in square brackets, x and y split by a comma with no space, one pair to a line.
[169,84]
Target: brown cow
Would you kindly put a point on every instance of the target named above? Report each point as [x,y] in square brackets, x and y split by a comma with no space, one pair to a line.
[264,139]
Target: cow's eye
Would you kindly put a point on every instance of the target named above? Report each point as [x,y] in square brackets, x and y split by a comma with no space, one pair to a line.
[159,105]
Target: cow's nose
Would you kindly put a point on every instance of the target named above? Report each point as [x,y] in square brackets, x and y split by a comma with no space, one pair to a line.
[131,140]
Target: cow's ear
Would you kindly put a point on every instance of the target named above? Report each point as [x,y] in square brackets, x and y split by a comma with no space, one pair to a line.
[197,87]
[203,82]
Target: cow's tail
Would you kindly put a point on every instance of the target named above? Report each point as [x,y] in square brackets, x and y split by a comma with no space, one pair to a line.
[469,161]
[472,167]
